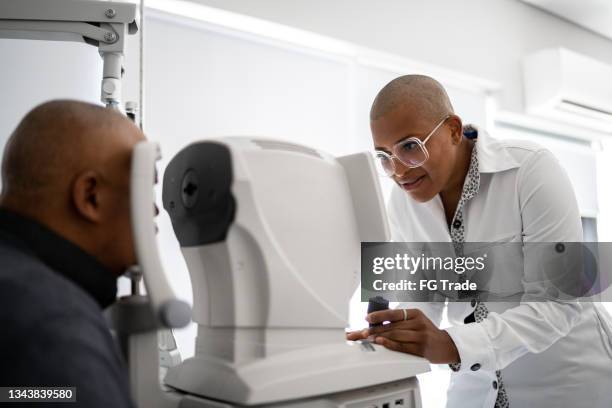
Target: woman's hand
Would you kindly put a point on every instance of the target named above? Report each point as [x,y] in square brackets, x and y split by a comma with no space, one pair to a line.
[357,335]
[410,331]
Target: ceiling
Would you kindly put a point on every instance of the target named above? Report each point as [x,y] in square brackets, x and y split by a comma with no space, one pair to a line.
[594,15]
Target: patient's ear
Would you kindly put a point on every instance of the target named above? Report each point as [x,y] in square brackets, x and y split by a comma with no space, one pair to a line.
[86,196]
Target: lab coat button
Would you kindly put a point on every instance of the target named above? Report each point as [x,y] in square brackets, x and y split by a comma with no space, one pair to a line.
[457,224]
[495,384]
[475,367]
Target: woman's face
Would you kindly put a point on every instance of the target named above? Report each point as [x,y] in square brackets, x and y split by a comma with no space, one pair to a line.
[425,182]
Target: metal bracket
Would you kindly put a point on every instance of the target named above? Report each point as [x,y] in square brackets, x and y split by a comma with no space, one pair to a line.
[82,30]
[103,24]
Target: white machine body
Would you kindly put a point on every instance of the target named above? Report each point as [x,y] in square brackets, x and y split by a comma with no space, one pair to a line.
[272,282]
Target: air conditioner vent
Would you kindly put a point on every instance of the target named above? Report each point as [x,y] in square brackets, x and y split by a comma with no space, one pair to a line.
[586,109]
[569,87]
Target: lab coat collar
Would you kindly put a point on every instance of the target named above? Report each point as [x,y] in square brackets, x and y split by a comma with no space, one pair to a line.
[493,156]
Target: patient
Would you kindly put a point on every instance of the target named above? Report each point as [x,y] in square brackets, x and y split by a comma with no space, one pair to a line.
[65,237]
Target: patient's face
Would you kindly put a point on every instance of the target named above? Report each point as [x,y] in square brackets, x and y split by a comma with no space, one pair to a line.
[119,252]
[425,182]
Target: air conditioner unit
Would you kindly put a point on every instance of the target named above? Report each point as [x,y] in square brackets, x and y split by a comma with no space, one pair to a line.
[569,87]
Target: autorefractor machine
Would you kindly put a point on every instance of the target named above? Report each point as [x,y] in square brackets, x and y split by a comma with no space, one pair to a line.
[271,235]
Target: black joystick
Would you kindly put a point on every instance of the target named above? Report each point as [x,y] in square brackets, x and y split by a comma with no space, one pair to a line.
[375,304]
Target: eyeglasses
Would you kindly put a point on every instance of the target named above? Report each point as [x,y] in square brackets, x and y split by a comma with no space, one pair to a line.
[411,152]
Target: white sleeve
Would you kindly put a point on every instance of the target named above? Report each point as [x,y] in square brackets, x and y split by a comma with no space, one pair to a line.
[398,221]
[549,213]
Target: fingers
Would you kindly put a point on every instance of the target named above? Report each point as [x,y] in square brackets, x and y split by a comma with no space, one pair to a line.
[389,315]
[403,336]
[410,348]
[392,315]
[413,324]
[357,335]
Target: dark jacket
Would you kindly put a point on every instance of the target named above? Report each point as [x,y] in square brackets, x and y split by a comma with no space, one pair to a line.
[52,331]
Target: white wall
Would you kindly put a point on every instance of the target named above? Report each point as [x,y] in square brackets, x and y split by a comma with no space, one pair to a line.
[35,71]
[485,38]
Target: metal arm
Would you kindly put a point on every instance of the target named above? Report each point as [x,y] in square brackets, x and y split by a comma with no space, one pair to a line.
[103,24]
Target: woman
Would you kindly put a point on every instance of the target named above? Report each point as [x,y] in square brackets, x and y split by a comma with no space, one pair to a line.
[453,188]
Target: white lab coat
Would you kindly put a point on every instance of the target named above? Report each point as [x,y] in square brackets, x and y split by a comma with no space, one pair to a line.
[551,354]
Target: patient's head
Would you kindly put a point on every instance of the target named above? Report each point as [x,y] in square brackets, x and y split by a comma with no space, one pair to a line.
[412,105]
[67,165]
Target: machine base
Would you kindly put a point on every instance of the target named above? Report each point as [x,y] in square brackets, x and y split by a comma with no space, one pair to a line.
[398,394]
[300,374]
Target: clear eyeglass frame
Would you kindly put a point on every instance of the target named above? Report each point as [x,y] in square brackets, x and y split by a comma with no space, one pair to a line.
[389,170]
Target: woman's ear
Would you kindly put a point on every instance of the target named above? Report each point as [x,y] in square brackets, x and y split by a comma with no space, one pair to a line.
[456,126]
[86,196]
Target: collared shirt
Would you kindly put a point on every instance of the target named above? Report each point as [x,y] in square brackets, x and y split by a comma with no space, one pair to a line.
[523,196]
[471,185]
[53,332]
